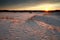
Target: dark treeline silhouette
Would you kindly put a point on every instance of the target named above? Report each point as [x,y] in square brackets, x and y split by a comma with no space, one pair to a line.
[27,11]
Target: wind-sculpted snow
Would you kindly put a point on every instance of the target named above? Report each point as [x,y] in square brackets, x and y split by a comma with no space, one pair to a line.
[25,26]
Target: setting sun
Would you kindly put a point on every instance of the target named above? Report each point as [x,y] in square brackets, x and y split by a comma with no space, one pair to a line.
[47,7]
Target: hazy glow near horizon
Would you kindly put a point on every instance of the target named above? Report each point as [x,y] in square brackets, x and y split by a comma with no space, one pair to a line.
[45,7]
[30,5]
[40,7]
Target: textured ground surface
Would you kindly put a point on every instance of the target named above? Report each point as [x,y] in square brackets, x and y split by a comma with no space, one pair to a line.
[26,26]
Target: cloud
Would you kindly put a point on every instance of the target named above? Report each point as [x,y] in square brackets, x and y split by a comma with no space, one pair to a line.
[23,3]
[15,2]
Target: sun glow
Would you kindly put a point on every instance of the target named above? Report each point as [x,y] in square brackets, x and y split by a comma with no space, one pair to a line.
[45,7]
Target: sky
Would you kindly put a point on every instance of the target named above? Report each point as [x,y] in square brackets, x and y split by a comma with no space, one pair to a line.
[29,4]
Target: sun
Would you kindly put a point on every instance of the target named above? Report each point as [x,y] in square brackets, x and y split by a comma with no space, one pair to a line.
[47,7]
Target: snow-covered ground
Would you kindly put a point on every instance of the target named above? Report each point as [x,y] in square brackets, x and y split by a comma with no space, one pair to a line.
[27,26]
